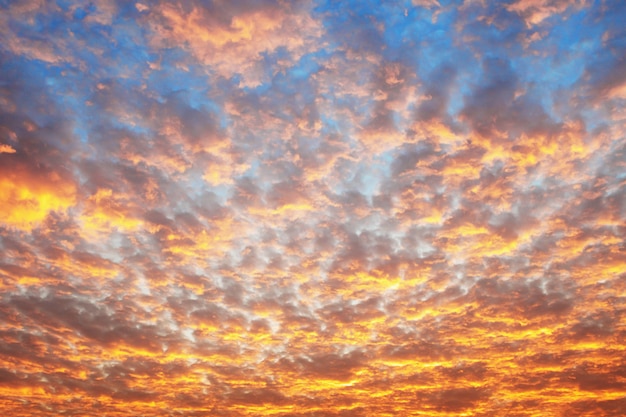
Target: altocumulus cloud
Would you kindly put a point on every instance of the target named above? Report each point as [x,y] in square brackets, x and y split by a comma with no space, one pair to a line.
[313,208]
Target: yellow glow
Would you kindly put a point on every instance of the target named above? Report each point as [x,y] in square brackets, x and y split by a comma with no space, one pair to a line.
[24,204]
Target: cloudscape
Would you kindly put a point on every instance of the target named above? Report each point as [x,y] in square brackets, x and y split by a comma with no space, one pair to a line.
[313,208]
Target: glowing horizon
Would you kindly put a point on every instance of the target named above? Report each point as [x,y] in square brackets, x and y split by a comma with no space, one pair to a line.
[313,208]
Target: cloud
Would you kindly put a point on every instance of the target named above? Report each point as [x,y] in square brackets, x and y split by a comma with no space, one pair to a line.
[239,35]
[534,12]
[29,195]
[4,148]
[300,209]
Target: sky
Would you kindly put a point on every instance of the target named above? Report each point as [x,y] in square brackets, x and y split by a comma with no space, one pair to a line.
[313,208]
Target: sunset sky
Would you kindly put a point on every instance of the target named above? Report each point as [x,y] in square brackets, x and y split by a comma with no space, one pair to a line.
[313,208]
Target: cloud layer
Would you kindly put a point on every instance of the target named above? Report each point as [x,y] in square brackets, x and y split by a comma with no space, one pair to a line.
[270,208]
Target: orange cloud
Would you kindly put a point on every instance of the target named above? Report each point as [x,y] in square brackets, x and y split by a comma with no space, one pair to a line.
[296,209]
[28,197]
[536,11]
[232,44]
[4,148]
[106,210]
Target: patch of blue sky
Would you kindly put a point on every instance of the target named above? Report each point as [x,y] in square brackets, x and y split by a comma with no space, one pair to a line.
[400,121]
[222,118]
[253,169]
[572,43]
[563,73]
[196,96]
[559,79]
[384,161]
[128,37]
[426,45]
[329,8]
[124,64]
[568,46]
[338,126]
[169,77]
[80,13]
[396,18]
[330,125]
[461,89]
[282,84]
[50,23]
[68,96]
[128,9]
[17,71]
[538,181]
[594,119]
[354,24]
[494,32]
[64,5]
[298,92]
[193,88]
[81,131]
[413,24]
[306,66]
